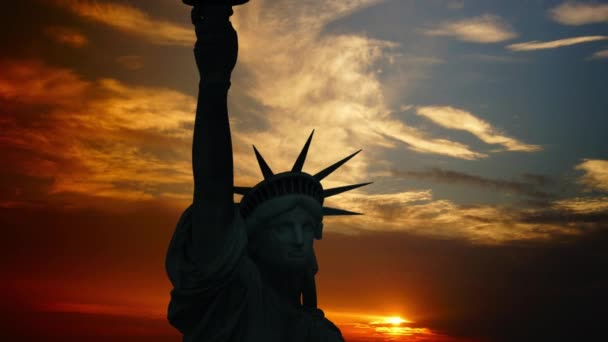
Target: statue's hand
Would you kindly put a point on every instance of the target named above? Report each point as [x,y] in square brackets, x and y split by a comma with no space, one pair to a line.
[214,2]
[216,50]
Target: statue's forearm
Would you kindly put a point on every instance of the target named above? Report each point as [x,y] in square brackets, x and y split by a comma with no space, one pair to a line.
[212,148]
[215,52]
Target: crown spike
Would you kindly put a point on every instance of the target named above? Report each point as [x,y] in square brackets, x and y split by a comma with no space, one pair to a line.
[266,171]
[327,211]
[327,171]
[297,166]
[339,190]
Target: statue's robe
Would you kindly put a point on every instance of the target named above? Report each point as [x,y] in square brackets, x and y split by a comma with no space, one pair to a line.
[225,299]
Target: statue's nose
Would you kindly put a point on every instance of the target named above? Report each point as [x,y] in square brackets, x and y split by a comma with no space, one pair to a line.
[298,236]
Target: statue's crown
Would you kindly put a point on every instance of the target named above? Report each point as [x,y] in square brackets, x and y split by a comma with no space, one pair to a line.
[293,182]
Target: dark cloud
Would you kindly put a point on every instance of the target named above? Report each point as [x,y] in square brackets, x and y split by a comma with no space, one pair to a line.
[561,216]
[527,187]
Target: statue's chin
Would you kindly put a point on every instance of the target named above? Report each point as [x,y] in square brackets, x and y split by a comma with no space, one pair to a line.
[289,263]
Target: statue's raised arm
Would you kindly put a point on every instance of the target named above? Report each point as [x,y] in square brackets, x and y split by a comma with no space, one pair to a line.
[215,51]
[206,237]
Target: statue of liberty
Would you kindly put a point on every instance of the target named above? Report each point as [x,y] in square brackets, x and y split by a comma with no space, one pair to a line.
[244,271]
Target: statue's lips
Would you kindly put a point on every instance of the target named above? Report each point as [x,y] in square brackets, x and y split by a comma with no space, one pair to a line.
[296,254]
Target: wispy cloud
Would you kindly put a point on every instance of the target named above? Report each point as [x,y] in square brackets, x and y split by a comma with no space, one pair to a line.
[579,13]
[482,29]
[132,20]
[453,118]
[602,54]
[595,174]
[527,188]
[67,35]
[538,45]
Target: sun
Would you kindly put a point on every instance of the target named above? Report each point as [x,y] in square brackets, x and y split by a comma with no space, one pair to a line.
[393,320]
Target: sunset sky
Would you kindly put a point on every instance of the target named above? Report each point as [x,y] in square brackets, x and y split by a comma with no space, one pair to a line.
[482,123]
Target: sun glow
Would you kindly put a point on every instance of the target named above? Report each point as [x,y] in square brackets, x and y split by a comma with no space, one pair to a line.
[379,327]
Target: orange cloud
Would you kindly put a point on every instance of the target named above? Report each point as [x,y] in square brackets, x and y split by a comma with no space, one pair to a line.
[32,82]
[131,62]
[102,138]
[67,36]
[131,20]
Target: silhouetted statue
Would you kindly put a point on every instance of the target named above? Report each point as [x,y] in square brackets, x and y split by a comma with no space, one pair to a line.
[246,271]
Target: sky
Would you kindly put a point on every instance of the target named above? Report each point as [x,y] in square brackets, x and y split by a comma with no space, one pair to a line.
[482,125]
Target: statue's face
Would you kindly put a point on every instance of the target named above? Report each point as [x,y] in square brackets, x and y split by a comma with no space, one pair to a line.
[287,241]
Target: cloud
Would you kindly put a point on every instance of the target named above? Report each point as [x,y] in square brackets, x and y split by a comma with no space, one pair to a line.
[596,174]
[131,62]
[102,138]
[418,213]
[131,20]
[67,36]
[31,82]
[482,29]
[99,139]
[578,13]
[587,213]
[454,177]
[602,54]
[583,205]
[310,79]
[453,118]
[554,44]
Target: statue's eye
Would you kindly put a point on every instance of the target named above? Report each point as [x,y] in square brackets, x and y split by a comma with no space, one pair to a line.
[282,226]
